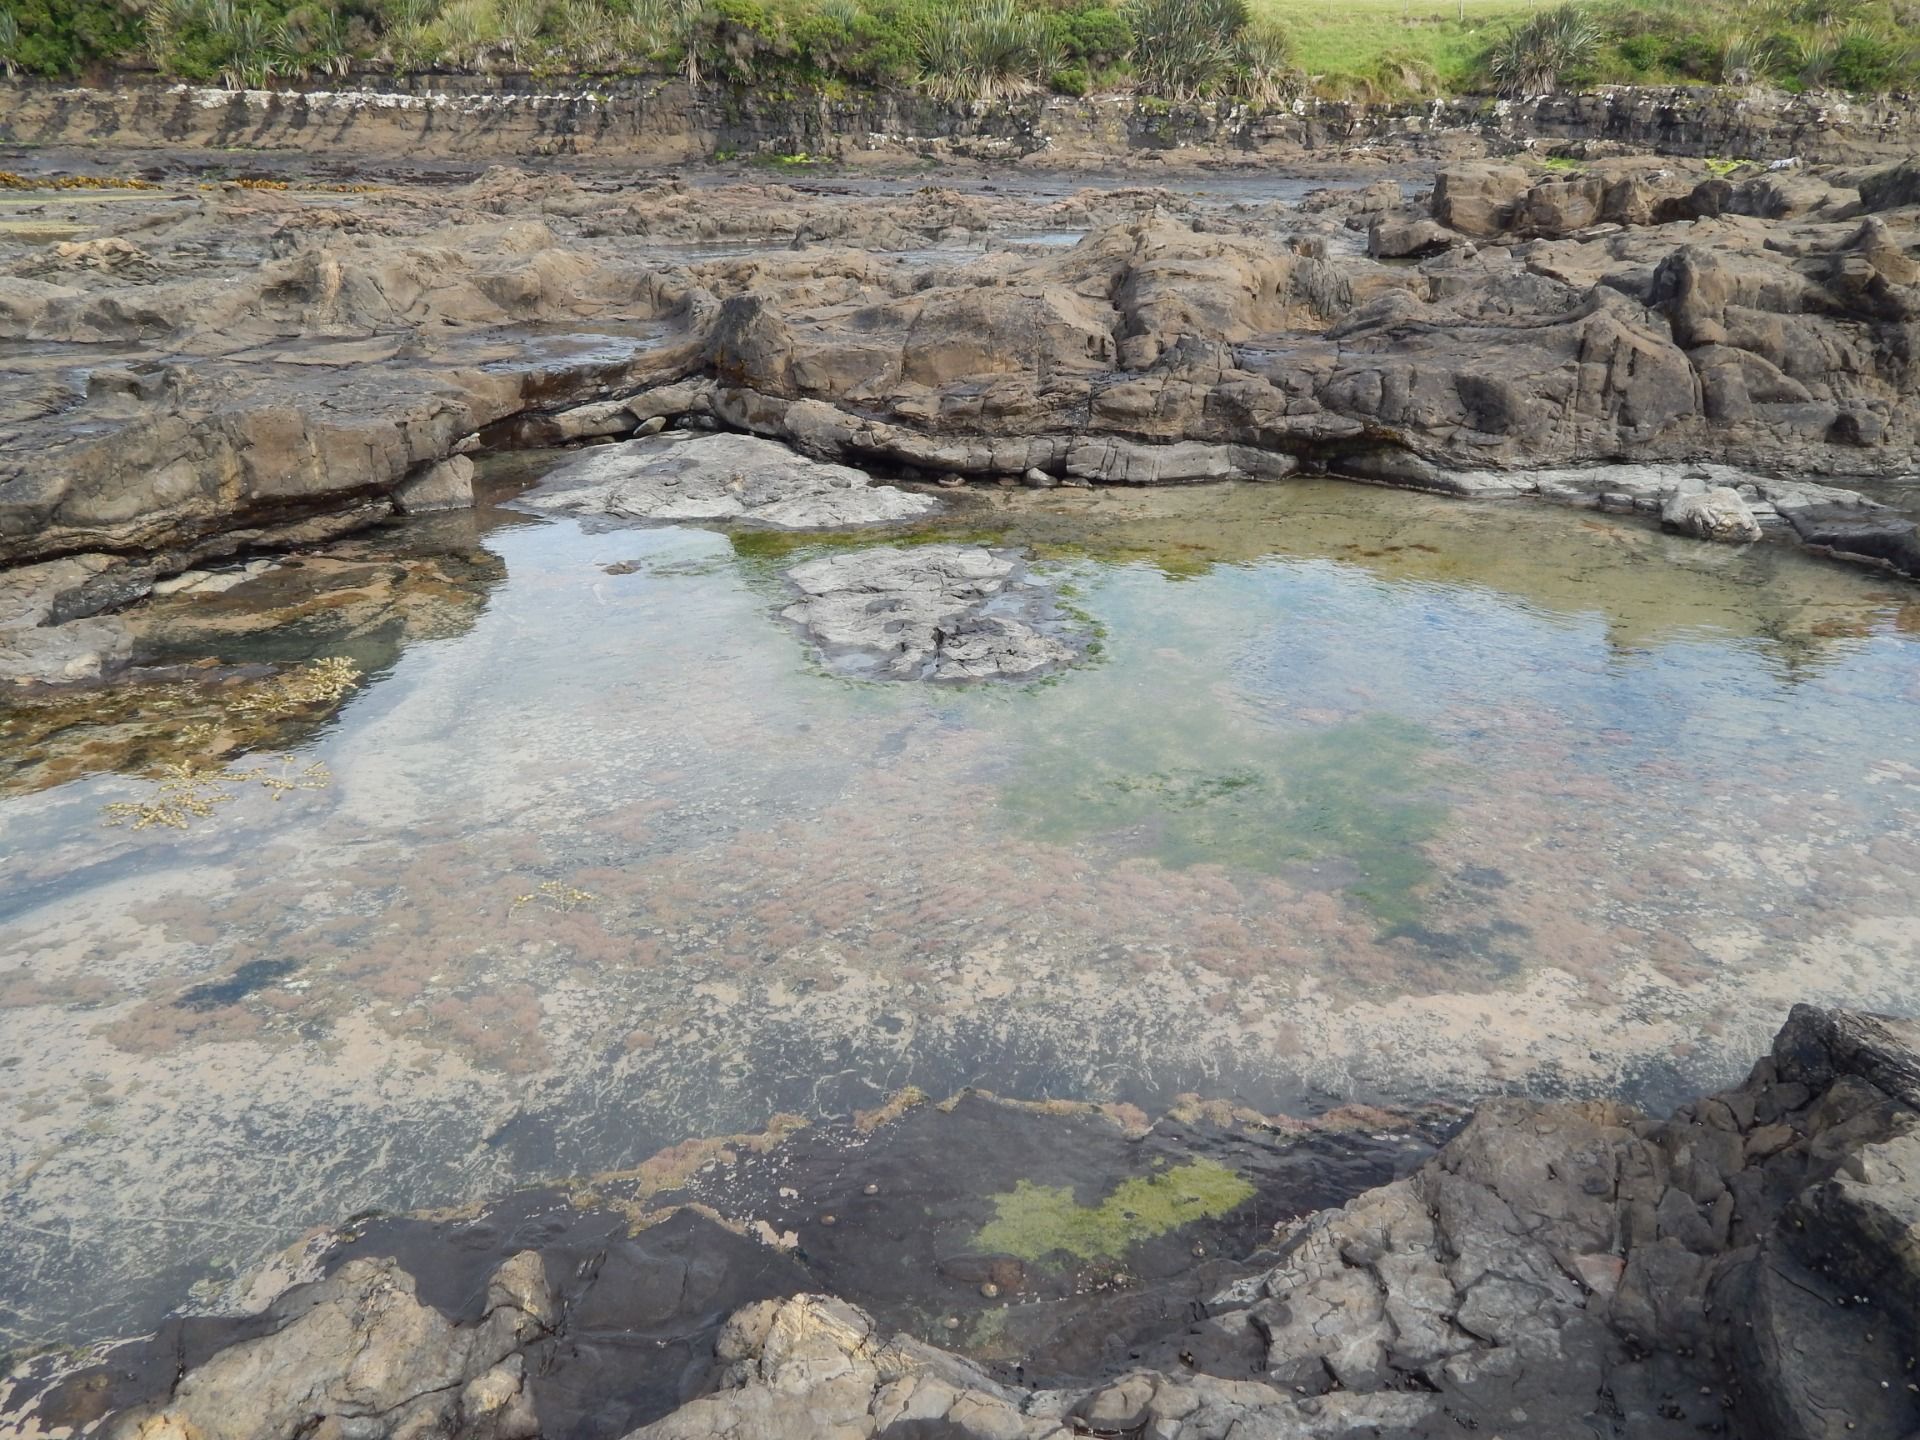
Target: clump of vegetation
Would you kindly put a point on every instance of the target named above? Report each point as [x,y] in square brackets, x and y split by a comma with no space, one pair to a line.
[184,794]
[553,895]
[1183,49]
[11,181]
[1855,45]
[1188,49]
[187,791]
[987,50]
[324,682]
[1530,59]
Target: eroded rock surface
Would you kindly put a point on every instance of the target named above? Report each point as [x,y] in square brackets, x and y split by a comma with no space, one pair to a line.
[215,370]
[1744,1267]
[683,476]
[932,612]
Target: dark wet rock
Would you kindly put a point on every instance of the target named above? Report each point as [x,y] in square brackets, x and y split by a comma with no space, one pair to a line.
[1565,1266]
[682,476]
[1875,534]
[645,1267]
[932,612]
[1745,1266]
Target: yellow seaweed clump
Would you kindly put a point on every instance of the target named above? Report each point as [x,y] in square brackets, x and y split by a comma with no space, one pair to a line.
[555,896]
[11,181]
[185,795]
[323,682]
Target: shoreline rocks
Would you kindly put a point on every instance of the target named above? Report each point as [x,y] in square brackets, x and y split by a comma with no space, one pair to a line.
[1601,338]
[1744,1266]
[659,120]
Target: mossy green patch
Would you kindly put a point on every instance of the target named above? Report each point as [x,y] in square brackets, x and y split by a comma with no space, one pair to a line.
[1036,1221]
[1194,791]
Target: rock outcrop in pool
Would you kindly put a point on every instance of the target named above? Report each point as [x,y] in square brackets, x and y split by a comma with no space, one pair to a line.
[1742,1267]
[933,612]
[684,476]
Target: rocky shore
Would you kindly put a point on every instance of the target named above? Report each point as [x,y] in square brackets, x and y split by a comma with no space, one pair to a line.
[208,370]
[1745,1266]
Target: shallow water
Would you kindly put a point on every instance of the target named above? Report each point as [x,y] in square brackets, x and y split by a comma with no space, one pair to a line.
[1365,794]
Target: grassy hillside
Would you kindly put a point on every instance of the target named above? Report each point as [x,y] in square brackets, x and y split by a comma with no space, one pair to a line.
[1384,48]
[1357,48]
[1261,52]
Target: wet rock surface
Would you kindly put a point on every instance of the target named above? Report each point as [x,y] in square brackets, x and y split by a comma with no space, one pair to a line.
[683,476]
[1742,1267]
[932,612]
[284,365]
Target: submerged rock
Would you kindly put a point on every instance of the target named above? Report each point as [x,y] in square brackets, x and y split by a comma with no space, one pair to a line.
[682,476]
[932,612]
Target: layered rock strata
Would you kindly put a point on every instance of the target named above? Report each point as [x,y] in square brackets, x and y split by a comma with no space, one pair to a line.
[286,366]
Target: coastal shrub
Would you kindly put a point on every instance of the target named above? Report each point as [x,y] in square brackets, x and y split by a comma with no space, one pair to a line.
[1264,63]
[1865,60]
[1531,59]
[313,41]
[986,50]
[61,37]
[1095,35]
[1183,49]
[1744,59]
[1396,75]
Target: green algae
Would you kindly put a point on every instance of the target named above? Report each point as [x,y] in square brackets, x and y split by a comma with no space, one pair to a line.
[1360,791]
[1035,1221]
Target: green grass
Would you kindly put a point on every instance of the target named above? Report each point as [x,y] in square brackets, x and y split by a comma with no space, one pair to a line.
[1394,49]
[1259,52]
[1353,44]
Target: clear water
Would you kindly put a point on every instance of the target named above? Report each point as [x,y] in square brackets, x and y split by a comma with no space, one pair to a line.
[1366,794]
